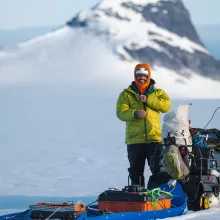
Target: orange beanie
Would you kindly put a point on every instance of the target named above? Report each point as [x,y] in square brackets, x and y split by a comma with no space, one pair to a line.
[142,87]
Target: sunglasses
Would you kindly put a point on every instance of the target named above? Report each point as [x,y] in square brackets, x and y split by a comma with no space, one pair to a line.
[141,75]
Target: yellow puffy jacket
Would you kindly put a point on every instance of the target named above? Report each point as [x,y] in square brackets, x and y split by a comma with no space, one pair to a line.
[149,128]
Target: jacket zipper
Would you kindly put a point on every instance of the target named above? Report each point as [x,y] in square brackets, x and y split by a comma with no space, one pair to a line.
[145,121]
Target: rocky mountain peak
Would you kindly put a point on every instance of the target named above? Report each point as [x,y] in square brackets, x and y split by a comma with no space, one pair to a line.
[159,32]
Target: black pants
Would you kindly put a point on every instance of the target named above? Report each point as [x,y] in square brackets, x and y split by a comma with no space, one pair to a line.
[137,155]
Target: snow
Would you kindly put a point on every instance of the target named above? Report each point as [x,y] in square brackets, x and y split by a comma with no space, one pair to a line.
[201,215]
[136,29]
[59,135]
[58,114]
[59,57]
[108,3]
[154,9]
[55,142]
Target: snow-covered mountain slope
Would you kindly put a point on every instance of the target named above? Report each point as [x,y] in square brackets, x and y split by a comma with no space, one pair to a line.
[78,58]
[106,42]
[155,31]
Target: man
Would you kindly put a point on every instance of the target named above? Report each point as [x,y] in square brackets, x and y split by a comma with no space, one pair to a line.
[139,106]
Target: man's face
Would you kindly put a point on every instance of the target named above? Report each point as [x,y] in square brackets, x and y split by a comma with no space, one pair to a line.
[141,78]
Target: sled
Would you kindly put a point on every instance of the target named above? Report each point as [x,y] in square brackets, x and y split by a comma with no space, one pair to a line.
[178,206]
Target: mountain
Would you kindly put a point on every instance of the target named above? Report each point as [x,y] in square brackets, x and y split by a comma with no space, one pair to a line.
[104,44]
[157,31]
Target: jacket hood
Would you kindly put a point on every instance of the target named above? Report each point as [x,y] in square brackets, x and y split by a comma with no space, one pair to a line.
[142,87]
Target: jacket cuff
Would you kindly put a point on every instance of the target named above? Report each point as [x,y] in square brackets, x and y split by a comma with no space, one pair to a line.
[135,114]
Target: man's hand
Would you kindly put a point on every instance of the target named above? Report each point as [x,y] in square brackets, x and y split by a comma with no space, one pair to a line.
[140,113]
[143,98]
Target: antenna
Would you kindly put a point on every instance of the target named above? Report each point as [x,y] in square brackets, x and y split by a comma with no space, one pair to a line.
[212,116]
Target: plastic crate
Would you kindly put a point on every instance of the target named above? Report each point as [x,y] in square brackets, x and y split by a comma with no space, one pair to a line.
[115,206]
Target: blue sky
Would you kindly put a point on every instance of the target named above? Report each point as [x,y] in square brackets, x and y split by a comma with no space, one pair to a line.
[16,14]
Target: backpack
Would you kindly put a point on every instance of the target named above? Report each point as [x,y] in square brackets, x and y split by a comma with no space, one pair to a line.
[173,163]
